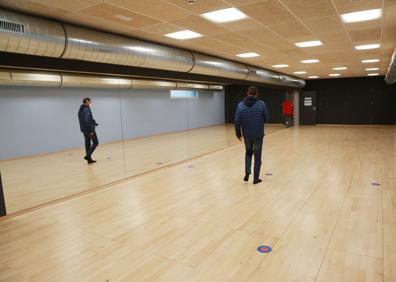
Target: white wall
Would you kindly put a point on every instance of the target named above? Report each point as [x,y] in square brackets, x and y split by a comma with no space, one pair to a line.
[41,120]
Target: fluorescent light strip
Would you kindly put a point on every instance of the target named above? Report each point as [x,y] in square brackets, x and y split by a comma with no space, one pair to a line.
[248,55]
[368,61]
[372,74]
[184,34]
[224,15]
[306,44]
[280,66]
[313,76]
[124,18]
[334,74]
[372,69]
[362,16]
[340,68]
[367,46]
[300,72]
[310,61]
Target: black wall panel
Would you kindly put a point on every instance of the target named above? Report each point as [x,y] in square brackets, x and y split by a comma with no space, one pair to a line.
[362,100]
[271,96]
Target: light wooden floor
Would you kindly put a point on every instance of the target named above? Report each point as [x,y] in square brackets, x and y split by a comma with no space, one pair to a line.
[199,222]
[36,180]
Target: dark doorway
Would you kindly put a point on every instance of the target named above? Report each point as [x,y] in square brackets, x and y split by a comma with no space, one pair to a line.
[308,108]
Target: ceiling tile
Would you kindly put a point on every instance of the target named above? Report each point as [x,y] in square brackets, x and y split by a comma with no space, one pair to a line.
[267,37]
[34,8]
[291,30]
[242,24]
[156,9]
[92,22]
[348,6]
[200,7]
[366,34]
[269,12]
[71,5]
[115,14]
[235,39]
[162,28]
[324,25]
[307,9]
[200,25]
[237,3]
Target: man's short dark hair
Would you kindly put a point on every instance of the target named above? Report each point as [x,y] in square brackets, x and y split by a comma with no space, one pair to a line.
[85,100]
[252,90]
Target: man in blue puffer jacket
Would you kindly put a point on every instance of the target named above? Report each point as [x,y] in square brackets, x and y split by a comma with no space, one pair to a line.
[250,116]
[87,127]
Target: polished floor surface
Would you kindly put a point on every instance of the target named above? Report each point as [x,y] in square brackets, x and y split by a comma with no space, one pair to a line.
[36,180]
[327,208]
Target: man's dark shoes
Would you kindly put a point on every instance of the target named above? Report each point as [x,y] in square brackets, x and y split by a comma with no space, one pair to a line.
[246,178]
[89,160]
[256,181]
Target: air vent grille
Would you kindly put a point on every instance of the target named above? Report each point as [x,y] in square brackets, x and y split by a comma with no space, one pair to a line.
[12,27]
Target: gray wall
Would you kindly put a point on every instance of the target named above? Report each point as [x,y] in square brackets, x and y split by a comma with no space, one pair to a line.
[37,120]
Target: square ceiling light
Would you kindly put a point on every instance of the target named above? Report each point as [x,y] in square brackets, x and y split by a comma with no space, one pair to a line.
[372,74]
[310,61]
[367,46]
[224,15]
[313,76]
[280,66]
[248,55]
[334,74]
[362,16]
[340,68]
[372,69]
[306,44]
[300,72]
[368,61]
[183,34]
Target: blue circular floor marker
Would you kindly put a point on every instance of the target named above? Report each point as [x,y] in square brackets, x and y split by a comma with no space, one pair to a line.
[264,249]
[376,184]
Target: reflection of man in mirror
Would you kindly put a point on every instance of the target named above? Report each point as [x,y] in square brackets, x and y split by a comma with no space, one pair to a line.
[87,126]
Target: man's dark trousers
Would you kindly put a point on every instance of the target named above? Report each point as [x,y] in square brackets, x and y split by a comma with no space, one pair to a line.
[90,148]
[254,147]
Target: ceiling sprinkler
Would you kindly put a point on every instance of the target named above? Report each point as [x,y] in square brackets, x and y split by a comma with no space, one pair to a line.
[191,2]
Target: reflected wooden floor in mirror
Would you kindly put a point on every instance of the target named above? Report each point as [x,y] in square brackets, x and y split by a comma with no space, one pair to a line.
[36,180]
[198,221]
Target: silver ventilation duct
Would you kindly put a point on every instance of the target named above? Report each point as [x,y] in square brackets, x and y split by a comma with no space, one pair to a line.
[11,77]
[390,77]
[29,35]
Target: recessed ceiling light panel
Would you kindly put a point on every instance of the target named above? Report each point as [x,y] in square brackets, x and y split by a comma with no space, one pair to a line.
[310,61]
[183,34]
[340,68]
[313,76]
[224,15]
[280,66]
[372,69]
[334,74]
[372,74]
[306,44]
[248,55]
[300,72]
[367,46]
[368,61]
[122,17]
[361,16]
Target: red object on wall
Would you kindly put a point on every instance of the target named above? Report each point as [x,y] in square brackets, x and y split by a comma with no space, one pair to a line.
[287,108]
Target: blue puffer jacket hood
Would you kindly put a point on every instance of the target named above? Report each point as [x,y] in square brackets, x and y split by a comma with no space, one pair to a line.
[249,101]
